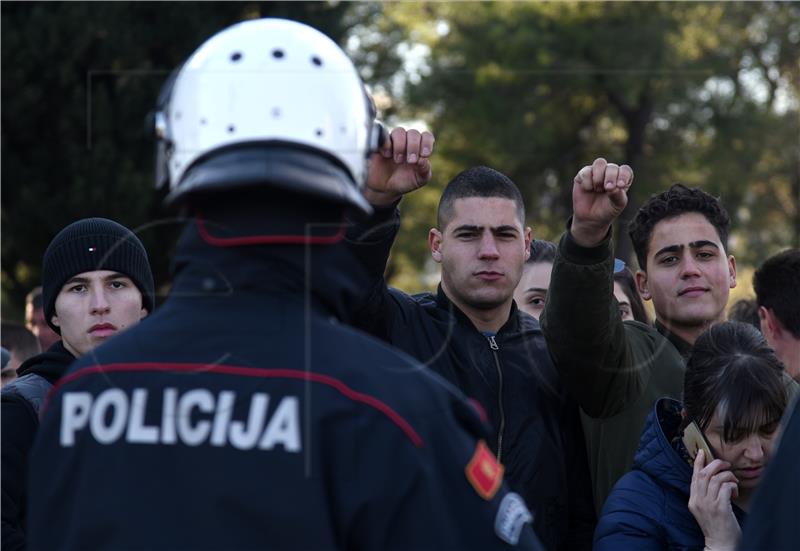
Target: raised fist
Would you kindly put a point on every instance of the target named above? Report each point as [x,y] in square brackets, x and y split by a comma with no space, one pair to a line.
[599,195]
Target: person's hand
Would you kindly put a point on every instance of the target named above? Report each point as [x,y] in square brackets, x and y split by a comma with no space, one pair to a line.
[710,494]
[401,165]
[599,195]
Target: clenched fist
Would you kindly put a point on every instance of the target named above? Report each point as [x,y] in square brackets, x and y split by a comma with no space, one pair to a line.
[401,165]
[599,195]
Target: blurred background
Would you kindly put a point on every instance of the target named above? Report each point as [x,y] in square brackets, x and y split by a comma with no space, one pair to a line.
[707,94]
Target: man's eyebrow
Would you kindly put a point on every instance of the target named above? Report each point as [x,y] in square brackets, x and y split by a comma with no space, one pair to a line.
[702,243]
[115,275]
[623,303]
[505,228]
[669,249]
[76,280]
[466,227]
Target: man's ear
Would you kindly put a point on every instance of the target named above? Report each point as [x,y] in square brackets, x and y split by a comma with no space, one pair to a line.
[143,314]
[641,284]
[770,325]
[732,271]
[435,243]
[54,320]
[528,239]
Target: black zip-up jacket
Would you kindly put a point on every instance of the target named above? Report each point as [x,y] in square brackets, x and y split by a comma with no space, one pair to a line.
[536,431]
[19,412]
[243,415]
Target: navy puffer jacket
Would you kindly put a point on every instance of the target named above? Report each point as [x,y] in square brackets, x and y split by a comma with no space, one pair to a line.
[648,508]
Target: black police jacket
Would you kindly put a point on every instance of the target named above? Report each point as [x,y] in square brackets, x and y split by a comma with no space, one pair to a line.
[536,430]
[243,415]
[19,413]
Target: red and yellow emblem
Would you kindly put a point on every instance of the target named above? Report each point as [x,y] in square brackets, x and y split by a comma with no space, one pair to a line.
[484,472]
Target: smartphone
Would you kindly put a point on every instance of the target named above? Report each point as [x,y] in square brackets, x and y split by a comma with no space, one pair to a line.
[694,440]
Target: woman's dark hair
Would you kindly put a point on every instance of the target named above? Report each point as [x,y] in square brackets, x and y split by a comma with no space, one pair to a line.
[625,279]
[542,251]
[732,367]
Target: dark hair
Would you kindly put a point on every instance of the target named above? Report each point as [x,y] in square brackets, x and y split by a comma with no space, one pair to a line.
[625,279]
[732,366]
[478,181]
[16,338]
[542,251]
[677,200]
[777,286]
[746,311]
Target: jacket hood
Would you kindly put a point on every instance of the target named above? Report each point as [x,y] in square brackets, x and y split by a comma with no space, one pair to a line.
[656,455]
[51,364]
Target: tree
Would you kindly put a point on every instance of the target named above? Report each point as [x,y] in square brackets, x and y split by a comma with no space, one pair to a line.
[704,93]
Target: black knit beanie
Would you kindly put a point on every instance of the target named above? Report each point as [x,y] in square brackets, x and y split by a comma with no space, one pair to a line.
[94,244]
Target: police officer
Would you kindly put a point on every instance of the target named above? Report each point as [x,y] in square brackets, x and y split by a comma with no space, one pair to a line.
[244,413]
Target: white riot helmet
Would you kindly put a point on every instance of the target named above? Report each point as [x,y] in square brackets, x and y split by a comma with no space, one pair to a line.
[267,101]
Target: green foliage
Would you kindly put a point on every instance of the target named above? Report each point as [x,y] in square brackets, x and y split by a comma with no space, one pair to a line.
[703,93]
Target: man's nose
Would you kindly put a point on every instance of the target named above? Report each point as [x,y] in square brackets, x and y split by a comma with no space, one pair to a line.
[99,301]
[489,246]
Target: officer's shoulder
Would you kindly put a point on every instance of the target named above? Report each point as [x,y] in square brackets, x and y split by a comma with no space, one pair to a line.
[382,367]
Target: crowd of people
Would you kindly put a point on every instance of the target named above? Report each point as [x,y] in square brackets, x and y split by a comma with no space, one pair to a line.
[284,396]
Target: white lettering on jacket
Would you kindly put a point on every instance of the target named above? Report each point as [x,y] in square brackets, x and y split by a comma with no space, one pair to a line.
[191,418]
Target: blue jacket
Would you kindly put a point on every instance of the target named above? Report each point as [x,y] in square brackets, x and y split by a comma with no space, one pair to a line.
[648,508]
[243,414]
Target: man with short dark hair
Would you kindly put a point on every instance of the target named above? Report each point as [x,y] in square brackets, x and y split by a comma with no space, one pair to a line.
[777,286]
[617,370]
[35,320]
[472,333]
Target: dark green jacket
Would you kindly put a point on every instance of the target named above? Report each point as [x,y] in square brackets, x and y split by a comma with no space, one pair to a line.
[616,371]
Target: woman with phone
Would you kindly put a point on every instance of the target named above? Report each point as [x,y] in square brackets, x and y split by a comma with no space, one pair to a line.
[699,462]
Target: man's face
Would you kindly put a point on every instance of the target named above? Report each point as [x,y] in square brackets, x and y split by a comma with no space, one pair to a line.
[36,324]
[531,293]
[482,250]
[94,306]
[688,276]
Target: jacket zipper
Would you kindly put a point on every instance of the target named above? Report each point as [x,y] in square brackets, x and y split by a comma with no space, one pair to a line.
[495,348]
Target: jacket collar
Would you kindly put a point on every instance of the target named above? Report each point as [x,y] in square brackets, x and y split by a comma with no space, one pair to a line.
[683,347]
[317,271]
[443,301]
[658,455]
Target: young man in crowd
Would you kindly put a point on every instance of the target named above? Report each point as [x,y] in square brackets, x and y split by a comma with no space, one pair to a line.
[472,333]
[21,345]
[96,283]
[35,319]
[615,370]
[777,287]
[246,386]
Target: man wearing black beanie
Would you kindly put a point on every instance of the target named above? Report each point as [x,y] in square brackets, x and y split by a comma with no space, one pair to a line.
[96,282]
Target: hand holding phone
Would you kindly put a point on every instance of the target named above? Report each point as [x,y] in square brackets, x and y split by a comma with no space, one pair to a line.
[711,493]
[694,440]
